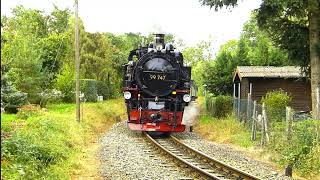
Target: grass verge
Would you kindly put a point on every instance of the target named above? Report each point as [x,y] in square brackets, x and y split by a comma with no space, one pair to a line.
[51,144]
[301,152]
[227,131]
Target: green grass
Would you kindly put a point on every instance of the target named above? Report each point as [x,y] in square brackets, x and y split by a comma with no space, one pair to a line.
[224,130]
[61,108]
[7,117]
[50,144]
[302,151]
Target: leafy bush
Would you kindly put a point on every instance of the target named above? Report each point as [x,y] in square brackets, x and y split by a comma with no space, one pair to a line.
[65,84]
[92,88]
[302,150]
[219,106]
[50,95]
[104,89]
[31,152]
[89,88]
[11,98]
[276,102]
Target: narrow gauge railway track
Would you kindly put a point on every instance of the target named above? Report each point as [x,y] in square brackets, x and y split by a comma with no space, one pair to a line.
[200,162]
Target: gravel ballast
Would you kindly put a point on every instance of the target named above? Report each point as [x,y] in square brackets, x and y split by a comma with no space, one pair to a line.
[230,156]
[126,154]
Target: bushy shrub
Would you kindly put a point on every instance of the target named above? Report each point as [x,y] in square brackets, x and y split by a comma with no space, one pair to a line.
[276,102]
[104,89]
[50,95]
[65,84]
[32,151]
[11,98]
[89,88]
[219,106]
[92,88]
[302,150]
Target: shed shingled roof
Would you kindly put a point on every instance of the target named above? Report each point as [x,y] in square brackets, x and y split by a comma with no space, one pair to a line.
[268,72]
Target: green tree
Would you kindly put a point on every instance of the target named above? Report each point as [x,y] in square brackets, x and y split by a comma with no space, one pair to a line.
[295,26]
[219,78]
[201,52]
[33,48]
[256,48]
[21,51]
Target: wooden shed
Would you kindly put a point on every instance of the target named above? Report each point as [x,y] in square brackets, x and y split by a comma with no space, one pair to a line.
[258,80]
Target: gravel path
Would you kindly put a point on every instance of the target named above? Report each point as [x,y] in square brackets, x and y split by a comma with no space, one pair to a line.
[128,155]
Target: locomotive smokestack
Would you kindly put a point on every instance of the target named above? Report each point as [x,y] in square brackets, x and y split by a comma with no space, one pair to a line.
[159,38]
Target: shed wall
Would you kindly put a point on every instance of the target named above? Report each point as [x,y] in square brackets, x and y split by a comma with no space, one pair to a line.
[300,91]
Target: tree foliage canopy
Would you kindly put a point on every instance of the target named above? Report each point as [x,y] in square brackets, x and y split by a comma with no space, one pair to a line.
[37,51]
[254,48]
[294,26]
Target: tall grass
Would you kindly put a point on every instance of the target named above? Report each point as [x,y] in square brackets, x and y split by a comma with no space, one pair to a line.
[224,130]
[301,152]
[47,145]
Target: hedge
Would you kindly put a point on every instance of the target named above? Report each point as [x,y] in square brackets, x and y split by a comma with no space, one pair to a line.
[219,106]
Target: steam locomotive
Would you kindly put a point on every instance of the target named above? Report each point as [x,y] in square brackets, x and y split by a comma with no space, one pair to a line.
[157,87]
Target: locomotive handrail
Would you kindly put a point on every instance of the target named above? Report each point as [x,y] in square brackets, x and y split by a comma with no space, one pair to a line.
[169,72]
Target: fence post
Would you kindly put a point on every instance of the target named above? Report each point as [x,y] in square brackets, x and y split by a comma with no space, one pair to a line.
[318,104]
[265,124]
[234,96]
[239,96]
[248,108]
[254,117]
[289,119]
[260,119]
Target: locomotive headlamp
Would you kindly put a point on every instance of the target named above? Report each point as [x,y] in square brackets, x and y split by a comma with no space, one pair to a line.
[127,95]
[159,47]
[186,98]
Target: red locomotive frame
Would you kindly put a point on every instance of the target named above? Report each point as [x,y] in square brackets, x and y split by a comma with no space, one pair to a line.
[139,120]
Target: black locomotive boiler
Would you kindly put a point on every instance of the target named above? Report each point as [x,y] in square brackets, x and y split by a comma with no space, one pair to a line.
[157,87]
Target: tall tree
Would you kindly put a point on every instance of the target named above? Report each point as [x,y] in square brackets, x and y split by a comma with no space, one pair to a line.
[256,48]
[295,26]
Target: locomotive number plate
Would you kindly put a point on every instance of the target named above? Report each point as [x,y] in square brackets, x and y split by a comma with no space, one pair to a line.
[157,77]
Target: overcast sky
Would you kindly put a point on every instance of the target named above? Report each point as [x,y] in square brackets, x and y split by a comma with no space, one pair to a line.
[186,19]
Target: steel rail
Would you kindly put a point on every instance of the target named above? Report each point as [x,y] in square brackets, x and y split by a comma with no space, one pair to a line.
[221,166]
[180,159]
[241,174]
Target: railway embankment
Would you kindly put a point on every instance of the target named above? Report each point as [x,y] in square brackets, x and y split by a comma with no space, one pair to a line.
[49,143]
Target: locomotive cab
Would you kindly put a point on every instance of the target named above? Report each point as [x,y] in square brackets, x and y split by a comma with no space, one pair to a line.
[157,87]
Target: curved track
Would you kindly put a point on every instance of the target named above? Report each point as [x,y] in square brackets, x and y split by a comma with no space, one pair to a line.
[200,162]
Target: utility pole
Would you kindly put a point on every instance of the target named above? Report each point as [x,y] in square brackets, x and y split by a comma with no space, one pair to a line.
[77,62]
